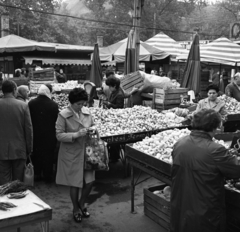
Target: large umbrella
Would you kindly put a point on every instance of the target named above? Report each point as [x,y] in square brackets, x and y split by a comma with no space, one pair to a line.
[117,52]
[14,43]
[96,69]
[192,72]
[130,54]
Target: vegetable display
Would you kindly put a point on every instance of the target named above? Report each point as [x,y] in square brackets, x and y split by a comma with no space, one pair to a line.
[232,106]
[61,99]
[161,145]
[110,122]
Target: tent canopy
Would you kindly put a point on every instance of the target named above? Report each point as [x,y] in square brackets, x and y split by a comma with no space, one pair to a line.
[117,51]
[59,61]
[221,50]
[166,43]
[14,43]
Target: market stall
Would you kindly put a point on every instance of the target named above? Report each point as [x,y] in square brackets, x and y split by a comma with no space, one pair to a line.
[152,155]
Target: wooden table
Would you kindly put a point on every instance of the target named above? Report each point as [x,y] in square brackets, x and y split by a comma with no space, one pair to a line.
[26,213]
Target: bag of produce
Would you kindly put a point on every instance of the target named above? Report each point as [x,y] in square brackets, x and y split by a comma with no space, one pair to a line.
[96,154]
[154,81]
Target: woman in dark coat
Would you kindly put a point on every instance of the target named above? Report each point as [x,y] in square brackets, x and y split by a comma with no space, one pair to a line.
[199,168]
[44,113]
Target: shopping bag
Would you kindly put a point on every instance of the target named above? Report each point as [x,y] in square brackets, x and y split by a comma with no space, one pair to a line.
[28,178]
[96,153]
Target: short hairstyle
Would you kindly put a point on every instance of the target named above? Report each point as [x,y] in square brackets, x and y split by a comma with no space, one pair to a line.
[109,73]
[215,87]
[113,81]
[49,87]
[8,86]
[206,120]
[77,94]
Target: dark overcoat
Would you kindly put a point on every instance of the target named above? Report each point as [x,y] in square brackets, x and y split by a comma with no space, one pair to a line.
[44,113]
[199,168]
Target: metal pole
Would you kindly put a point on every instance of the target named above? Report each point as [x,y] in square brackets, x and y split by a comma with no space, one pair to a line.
[154,23]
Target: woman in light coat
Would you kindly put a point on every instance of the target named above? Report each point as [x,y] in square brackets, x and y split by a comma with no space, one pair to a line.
[71,129]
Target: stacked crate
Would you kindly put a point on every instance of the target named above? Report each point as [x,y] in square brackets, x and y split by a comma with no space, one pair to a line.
[131,80]
[167,99]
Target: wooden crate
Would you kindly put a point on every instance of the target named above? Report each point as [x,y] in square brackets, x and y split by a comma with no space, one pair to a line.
[167,99]
[157,208]
[147,103]
[47,74]
[131,80]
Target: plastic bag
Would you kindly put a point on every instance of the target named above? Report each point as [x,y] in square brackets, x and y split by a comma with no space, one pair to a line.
[28,178]
[154,81]
[96,154]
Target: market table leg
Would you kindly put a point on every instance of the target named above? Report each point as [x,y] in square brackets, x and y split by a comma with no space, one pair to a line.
[47,226]
[18,229]
[132,189]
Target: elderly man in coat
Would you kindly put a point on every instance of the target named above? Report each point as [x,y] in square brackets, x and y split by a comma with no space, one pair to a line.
[44,113]
[199,168]
[15,134]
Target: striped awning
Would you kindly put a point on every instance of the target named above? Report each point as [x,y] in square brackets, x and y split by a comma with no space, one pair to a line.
[166,43]
[221,49]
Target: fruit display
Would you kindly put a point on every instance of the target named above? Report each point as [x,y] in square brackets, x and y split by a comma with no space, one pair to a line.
[165,193]
[161,145]
[61,99]
[178,111]
[131,120]
[67,85]
[232,106]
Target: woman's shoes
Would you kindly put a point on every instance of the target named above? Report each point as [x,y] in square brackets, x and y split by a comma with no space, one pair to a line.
[85,213]
[77,217]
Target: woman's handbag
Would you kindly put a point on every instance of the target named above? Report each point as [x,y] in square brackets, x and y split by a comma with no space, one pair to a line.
[28,178]
[96,153]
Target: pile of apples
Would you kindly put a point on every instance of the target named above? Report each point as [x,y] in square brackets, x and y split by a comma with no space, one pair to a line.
[61,99]
[130,120]
[232,106]
[161,145]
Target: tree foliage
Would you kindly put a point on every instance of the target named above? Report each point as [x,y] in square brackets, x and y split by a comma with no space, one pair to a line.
[170,16]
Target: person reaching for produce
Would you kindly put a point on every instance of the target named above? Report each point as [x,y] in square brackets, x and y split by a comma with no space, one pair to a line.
[116,99]
[212,101]
[71,127]
[198,173]
[233,89]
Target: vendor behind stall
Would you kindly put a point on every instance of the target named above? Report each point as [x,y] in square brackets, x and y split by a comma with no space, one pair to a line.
[212,101]
[198,171]
[233,89]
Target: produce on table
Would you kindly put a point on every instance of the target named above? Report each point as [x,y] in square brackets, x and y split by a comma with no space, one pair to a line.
[178,111]
[17,195]
[61,99]
[66,85]
[232,106]
[6,205]
[12,187]
[161,145]
[130,120]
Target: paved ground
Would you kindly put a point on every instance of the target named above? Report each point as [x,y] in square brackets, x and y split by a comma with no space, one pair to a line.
[109,205]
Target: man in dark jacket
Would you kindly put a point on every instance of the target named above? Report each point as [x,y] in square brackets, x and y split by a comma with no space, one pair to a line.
[15,134]
[198,171]
[44,113]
